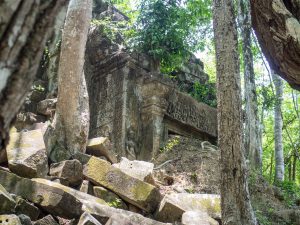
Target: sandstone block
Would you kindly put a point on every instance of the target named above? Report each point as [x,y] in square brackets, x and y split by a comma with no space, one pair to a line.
[25,220]
[101,146]
[132,190]
[26,154]
[138,169]
[111,198]
[57,199]
[48,195]
[27,208]
[88,219]
[174,205]
[47,220]
[7,203]
[196,218]
[70,170]
[9,220]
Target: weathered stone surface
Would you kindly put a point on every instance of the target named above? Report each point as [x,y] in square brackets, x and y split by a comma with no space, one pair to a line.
[86,187]
[47,220]
[111,198]
[26,154]
[132,190]
[7,203]
[139,169]
[174,205]
[88,219]
[9,220]
[27,208]
[134,106]
[71,170]
[196,218]
[53,197]
[25,220]
[101,146]
[47,107]
[49,195]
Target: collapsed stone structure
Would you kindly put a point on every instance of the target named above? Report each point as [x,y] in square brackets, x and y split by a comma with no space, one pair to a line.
[135,106]
[133,111]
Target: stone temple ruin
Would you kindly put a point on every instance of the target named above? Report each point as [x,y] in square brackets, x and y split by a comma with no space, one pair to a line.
[133,105]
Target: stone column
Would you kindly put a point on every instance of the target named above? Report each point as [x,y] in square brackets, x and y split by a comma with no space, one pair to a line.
[153,111]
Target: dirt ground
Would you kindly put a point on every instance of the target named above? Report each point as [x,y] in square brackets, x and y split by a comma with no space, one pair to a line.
[190,165]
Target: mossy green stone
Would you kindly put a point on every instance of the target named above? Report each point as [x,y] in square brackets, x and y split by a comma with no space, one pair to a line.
[132,190]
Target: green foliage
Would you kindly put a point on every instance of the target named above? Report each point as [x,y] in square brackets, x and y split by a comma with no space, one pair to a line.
[116,203]
[291,191]
[115,31]
[205,93]
[167,30]
[170,144]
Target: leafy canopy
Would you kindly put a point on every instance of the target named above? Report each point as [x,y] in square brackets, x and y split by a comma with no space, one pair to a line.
[168,30]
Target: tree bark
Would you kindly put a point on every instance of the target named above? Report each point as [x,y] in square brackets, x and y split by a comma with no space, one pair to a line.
[72,112]
[235,200]
[25,26]
[252,135]
[278,124]
[277,27]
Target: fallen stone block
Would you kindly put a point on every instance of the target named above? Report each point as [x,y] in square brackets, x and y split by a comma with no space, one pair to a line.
[174,205]
[196,218]
[47,220]
[10,220]
[70,170]
[138,169]
[7,203]
[25,220]
[48,195]
[132,190]
[27,208]
[101,146]
[57,199]
[26,154]
[88,219]
[111,198]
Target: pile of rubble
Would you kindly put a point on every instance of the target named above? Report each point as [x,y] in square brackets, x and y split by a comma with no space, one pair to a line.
[93,188]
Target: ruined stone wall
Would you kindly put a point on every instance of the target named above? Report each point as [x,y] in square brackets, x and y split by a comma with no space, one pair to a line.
[134,106]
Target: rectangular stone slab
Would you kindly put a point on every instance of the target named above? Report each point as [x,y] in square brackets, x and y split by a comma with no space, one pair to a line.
[174,205]
[132,190]
[51,198]
[26,154]
[57,199]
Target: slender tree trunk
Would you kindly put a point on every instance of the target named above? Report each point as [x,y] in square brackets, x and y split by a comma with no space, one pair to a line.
[271,168]
[252,138]
[294,166]
[72,113]
[24,29]
[235,200]
[278,124]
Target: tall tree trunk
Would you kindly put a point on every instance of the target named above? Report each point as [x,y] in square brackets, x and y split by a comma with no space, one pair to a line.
[294,166]
[72,113]
[25,26]
[235,200]
[278,123]
[252,138]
